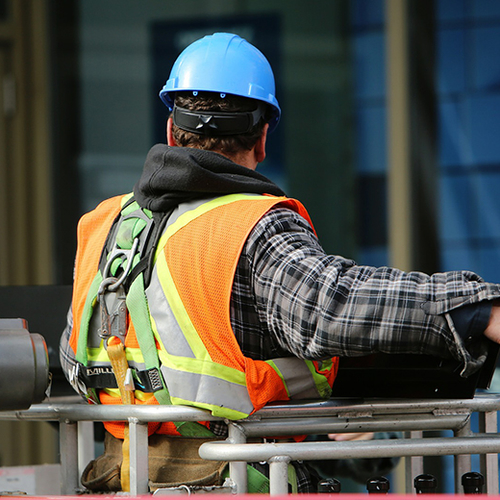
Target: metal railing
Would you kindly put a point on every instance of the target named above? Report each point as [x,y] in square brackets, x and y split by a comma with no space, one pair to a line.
[333,416]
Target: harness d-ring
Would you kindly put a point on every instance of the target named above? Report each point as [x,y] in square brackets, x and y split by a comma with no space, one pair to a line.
[129,255]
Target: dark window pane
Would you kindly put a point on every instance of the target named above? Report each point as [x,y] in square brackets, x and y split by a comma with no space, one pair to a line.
[4,10]
[372,210]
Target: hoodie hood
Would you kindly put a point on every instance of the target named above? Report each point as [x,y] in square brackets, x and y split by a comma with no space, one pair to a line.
[173,175]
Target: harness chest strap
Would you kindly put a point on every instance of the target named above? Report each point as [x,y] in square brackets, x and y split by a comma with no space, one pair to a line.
[99,376]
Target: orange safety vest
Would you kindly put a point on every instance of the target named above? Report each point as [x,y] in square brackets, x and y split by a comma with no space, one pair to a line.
[195,262]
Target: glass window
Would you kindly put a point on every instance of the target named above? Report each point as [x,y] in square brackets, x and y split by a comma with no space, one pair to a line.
[468,73]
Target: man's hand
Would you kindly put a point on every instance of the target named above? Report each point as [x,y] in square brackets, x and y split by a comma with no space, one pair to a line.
[351,436]
[493,329]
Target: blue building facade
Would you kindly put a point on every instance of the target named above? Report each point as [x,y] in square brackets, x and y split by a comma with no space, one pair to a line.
[467,84]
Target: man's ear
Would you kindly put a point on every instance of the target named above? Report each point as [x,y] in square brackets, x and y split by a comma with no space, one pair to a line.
[170,136]
[260,146]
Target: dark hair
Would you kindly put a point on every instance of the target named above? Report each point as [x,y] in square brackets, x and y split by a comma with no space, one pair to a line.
[211,101]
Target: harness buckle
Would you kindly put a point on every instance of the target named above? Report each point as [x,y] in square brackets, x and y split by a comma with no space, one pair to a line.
[113,311]
[112,297]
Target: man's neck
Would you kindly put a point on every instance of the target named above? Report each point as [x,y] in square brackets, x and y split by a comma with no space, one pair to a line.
[243,158]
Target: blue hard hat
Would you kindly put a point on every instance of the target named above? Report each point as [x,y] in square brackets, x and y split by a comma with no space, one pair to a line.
[224,63]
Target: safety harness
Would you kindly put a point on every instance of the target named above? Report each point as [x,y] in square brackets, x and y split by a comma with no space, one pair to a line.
[118,290]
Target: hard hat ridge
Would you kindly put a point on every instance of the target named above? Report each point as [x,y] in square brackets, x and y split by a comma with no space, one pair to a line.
[226,64]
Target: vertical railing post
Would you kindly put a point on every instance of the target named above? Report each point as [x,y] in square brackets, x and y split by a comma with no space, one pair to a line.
[139,457]
[414,466]
[488,422]
[86,445]
[238,470]
[278,476]
[463,463]
[68,446]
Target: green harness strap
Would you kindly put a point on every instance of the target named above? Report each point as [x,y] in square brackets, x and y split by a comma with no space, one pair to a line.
[256,481]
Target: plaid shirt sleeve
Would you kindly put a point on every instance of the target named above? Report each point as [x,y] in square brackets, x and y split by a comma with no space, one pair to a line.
[317,305]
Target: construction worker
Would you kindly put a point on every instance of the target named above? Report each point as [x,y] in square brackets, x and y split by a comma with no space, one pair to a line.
[208,287]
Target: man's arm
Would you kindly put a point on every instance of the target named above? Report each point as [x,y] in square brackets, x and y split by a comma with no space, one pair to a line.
[319,305]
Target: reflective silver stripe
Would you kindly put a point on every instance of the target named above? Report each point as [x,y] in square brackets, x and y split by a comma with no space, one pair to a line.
[207,390]
[298,378]
[193,205]
[186,207]
[168,328]
[170,332]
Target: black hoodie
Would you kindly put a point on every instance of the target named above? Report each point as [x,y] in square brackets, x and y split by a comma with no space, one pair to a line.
[173,175]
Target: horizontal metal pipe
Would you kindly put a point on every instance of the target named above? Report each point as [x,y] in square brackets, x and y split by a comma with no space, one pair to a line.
[102,413]
[294,426]
[479,444]
[253,427]
[481,402]
[343,408]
